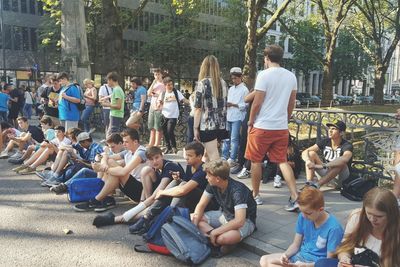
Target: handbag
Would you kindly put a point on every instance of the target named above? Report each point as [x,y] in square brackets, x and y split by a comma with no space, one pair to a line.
[367,257]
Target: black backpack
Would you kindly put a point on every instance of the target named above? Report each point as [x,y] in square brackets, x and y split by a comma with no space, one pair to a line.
[355,187]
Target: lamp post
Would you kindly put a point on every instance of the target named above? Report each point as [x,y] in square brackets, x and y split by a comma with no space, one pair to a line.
[3,40]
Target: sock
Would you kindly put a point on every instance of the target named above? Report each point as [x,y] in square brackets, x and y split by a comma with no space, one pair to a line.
[128,215]
[103,220]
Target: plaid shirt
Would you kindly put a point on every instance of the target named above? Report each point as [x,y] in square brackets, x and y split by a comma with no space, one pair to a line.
[90,153]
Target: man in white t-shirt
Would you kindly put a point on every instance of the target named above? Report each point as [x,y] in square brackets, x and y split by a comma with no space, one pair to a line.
[105,93]
[268,122]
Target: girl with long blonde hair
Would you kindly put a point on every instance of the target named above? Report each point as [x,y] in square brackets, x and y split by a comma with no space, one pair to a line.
[210,107]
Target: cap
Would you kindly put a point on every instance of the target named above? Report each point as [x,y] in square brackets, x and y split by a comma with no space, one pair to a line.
[236,70]
[83,136]
[337,124]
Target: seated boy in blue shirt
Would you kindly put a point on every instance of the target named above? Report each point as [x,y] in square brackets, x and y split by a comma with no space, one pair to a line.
[318,233]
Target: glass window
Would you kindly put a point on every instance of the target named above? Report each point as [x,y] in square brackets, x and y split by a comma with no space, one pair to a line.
[17,38]
[32,8]
[14,5]
[40,8]
[6,5]
[135,48]
[25,39]
[34,42]
[146,21]
[24,7]
[130,48]
[141,19]
[7,36]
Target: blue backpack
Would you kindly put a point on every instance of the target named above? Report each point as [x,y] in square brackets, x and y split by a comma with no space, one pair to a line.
[153,238]
[84,189]
[185,241]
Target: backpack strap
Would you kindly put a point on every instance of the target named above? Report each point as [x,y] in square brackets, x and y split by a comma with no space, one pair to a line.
[177,98]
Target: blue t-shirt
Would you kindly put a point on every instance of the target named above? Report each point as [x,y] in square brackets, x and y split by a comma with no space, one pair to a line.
[199,176]
[168,167]
[137,99]
[68,111]
[317,242]
[4,101]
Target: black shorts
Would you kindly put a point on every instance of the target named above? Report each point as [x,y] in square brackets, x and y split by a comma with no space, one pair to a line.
[207,136]
[132,189]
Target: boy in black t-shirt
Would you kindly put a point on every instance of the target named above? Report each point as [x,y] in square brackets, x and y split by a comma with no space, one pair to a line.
[337,153]
[236,218]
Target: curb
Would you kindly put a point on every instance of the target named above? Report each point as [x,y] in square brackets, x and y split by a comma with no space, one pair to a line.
[258,247]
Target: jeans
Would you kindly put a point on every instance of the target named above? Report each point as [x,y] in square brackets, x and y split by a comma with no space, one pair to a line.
[86,116]
[232,144]
[106,118]
[169,132]
[189,130]
[3,116]
[27,111]
[83,173]
[327,263]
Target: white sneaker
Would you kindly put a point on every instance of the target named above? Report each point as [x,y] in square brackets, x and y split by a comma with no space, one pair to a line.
[4,155]
[244,173]
[277,181]
[258,200]
[16,155]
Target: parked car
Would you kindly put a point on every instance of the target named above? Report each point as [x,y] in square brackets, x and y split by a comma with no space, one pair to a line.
[315,100]
[304,98]
[344,100]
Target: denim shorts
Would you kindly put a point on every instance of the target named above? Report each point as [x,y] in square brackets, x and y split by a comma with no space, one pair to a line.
[298,257]
[215,218]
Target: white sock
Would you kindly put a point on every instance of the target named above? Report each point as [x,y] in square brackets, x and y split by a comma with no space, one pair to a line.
[397,168]
[128,215]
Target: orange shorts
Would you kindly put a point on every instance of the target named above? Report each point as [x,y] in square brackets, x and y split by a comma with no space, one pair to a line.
[273,143]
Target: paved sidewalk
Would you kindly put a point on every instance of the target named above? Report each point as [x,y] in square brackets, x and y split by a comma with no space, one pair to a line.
[276,226]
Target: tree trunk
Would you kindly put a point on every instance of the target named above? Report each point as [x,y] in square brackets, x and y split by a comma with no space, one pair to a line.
[74,46]
[250,49]
[327,83]
[379,83]
[113,38]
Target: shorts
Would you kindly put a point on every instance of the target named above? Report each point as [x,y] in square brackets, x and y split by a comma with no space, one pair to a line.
[215,218]
[343,175]
[261,142]
[154,120]
[132,189]
[298,257]
[207,136]
[55,120]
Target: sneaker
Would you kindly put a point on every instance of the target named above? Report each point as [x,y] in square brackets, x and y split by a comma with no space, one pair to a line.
[292,205]
[27,170]
[4,155]
[87,206]
[106,204]
[313,184]
[236,169]
[244,174]
[104,220]
[19,168]
[59,189]
[16,155]
[277,181]
[16,160]
[42,175]
[258,200]
[140,227]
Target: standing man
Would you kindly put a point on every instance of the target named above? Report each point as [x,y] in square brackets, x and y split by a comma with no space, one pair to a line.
[70,96]
[274,100]
[236,112]
[50,98]
[105,93]
[116,105]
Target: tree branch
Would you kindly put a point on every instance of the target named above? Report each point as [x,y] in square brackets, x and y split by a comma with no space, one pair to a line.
[136,12]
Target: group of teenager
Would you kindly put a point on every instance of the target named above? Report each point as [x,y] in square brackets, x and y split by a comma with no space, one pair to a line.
[252,127]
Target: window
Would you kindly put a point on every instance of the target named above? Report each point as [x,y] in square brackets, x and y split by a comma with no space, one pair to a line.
[25,39]
[7,36]
[146,21]
[6,5]
[14,5]
[32,8]
[40,8]
[34,42]
[24,7]
[17,38]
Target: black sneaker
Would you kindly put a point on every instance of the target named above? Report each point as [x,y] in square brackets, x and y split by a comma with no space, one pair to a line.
[59,189]
[140,227]
[236,169]
[88,206]
[104,220]
[106,204]
[16,160]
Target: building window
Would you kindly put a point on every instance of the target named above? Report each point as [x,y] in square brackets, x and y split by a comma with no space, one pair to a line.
[33,39]
[25,39]
[17,38]
[32,8]
[40,8]
[24,7]
[14,5]
[6,5]
[7,36]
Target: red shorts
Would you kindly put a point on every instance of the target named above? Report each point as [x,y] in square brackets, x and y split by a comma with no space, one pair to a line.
[273,143]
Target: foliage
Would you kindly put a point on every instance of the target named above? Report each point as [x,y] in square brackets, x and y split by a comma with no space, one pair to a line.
[50,26]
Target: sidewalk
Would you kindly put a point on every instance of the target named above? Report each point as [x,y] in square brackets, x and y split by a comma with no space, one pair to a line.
[276,226]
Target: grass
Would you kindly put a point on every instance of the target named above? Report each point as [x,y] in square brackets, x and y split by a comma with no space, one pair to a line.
[371,108]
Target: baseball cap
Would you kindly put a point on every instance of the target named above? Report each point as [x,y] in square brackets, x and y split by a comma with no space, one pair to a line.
[236,70]
[337,124]
[83,136]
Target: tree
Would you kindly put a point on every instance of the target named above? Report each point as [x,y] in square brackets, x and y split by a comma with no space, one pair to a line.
[255,10]
[377,24]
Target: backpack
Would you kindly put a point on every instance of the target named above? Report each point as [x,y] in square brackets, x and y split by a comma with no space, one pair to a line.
[153,238]
[354,188]
[185,241]
[82,104]
[84,189]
